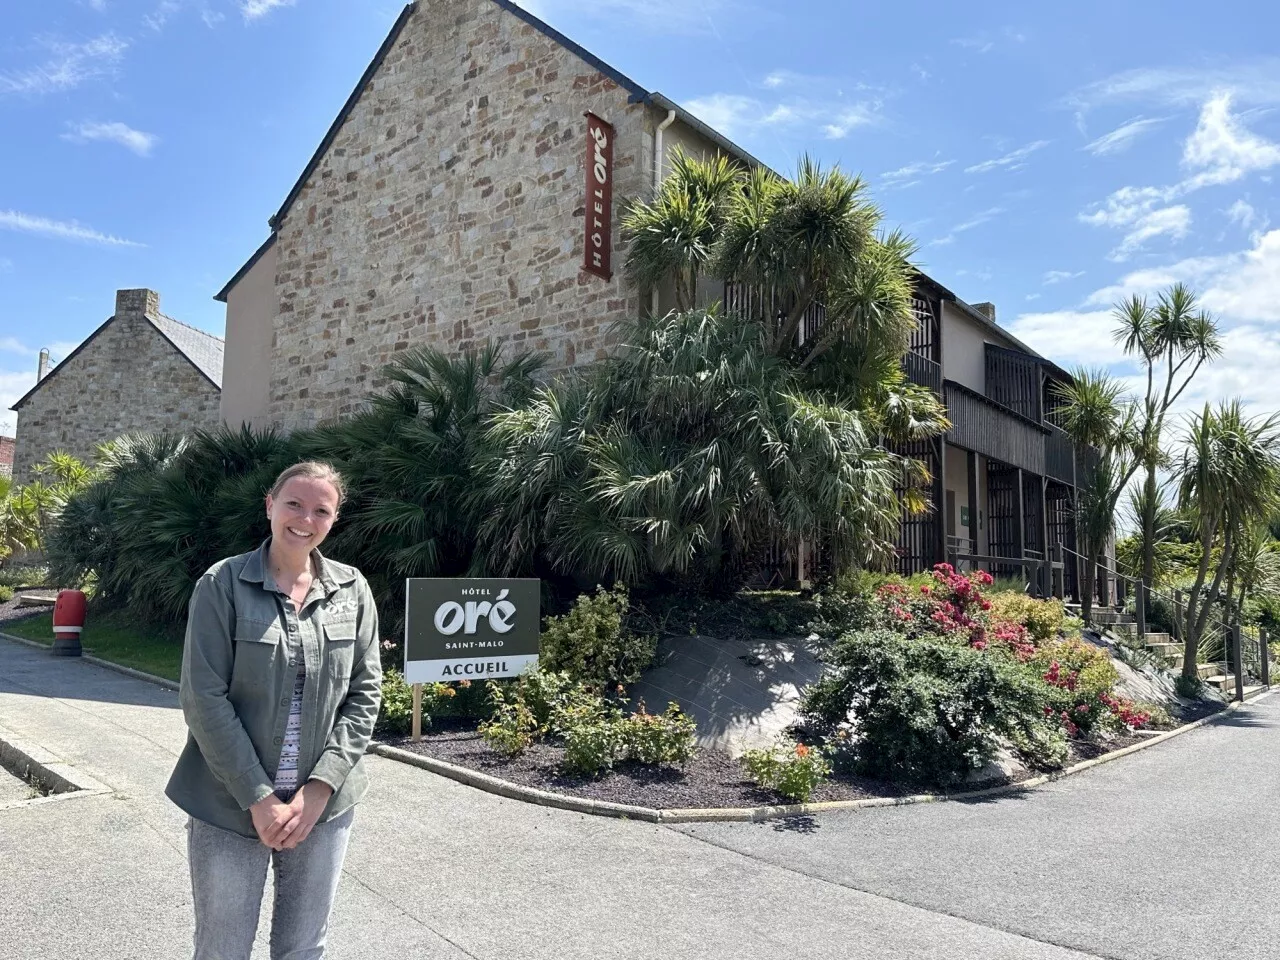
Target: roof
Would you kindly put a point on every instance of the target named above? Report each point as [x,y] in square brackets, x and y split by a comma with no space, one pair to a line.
[222,294]
[984,321]
[638,94]
[202,350]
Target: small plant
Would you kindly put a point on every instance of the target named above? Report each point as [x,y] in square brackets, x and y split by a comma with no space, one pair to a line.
[593,742]
[793,769]
[396,712]
[512,728]
[655,738]
[591,644]
[1189,688]
[1042,618]
[6,593]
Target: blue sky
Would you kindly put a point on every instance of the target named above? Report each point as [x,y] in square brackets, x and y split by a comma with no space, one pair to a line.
[1048,160]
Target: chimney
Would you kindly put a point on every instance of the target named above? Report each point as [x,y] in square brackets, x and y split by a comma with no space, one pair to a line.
[140,302]
[43,369]
[987,309]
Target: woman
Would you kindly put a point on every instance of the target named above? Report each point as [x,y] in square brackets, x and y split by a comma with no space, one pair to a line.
[281,682]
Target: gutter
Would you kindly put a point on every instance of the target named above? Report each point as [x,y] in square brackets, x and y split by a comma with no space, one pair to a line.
[658,156]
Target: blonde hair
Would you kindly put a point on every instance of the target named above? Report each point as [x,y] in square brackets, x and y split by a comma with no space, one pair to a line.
[314,470]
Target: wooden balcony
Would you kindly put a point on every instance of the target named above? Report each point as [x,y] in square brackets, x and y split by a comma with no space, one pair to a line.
[1059,456]
[923,371]
[984,426]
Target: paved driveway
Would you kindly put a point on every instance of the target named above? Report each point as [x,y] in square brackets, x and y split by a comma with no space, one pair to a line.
[1167,854]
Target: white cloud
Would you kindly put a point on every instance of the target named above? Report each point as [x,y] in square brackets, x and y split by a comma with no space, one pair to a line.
[211,18]
[256,9]
[1069,336]
[735,114]
[1256,82]
[977,220]
[13,385]
[14,345]
[1242,212]
[69,66]
[161,15]
[1011,161]
[58,229]
[1122,137]
[6,265]
[135,140]
[1033,296]
[912,173]
[1222,149]
[99,5]
[847,119]
[980,44]
[1058,276]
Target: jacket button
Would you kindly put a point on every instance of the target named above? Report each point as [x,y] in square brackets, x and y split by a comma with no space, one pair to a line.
[276,741]
[284,702]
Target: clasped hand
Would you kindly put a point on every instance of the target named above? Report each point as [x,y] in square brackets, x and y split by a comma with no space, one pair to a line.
[282,826]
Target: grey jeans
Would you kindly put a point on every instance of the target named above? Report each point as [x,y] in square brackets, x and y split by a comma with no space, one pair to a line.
[229,875]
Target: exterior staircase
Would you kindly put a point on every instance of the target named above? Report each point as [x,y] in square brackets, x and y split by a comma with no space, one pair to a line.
[1169,652]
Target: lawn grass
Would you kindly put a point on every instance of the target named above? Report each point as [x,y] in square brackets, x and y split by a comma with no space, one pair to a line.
[116,637]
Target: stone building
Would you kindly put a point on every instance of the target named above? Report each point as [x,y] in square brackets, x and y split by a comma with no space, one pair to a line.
[446,205]
[6,456]
[139,372]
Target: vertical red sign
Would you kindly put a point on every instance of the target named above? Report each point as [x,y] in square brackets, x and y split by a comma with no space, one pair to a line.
[598,253]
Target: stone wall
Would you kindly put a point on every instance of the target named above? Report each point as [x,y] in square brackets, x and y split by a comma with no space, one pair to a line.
[450,209]
[128,379]
[6,456]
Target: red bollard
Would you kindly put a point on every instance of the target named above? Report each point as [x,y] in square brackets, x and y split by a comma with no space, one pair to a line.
[68,622]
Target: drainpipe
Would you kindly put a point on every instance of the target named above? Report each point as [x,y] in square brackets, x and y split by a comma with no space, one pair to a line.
[657,177]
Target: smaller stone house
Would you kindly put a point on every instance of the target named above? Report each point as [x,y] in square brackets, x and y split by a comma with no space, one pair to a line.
[140,372]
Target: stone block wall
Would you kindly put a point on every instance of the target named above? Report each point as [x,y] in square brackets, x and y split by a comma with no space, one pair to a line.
[450,209]
[128,379]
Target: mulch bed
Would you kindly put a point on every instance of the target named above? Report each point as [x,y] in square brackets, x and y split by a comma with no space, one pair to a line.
[10,611]
[711,779]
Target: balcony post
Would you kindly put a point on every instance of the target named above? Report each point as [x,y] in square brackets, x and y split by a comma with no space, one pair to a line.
[1020,546]
[973,502]
[940,501]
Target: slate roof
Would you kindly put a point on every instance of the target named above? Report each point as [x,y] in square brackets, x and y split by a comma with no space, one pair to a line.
[202,350]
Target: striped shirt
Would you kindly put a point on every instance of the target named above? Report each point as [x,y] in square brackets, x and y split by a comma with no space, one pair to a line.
[287,772]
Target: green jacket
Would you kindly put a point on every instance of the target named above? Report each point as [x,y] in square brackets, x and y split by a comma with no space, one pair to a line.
[239,666]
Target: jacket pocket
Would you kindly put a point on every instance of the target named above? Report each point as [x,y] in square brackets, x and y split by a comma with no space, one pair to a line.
[339,651]
[257,645]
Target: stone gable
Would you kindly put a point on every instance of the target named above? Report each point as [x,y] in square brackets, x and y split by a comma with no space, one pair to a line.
[127,379]
[449,209]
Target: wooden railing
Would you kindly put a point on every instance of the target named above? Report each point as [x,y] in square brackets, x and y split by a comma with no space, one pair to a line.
[923,371]
[1059,456]
[984,426]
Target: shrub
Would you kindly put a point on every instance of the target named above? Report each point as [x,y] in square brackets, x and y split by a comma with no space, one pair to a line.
[654,738]
[1081,678]
[6,593]
[512,728]
[1042,618]
[593,736]
[925,708]
[21,575]
[591,644]
[793,769]
[1189,688]
[395,715]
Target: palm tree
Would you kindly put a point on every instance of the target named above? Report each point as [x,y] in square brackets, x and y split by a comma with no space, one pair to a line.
[686,455]
[1097,417]
[1229,480]
[672,236]
[1172,339]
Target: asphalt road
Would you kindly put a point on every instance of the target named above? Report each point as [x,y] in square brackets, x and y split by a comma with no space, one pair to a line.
[1165,854]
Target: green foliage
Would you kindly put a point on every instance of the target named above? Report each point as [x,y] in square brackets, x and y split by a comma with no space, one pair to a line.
[1079,677]
[591,644]
[512,728]
[6,593]
[655,738]
[28,513]
[795,770]
[925,708]
[21,575]
[395,715]
[1042,618]
[1189,688]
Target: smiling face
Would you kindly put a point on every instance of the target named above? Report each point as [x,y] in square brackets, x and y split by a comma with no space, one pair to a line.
[302,513]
